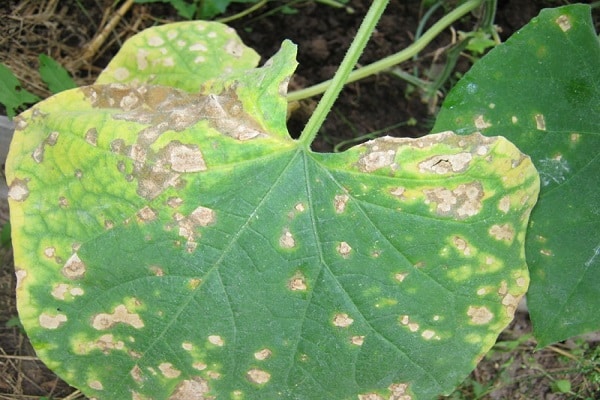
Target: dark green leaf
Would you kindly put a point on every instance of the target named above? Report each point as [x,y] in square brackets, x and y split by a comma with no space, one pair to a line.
[54,75]
[12,95]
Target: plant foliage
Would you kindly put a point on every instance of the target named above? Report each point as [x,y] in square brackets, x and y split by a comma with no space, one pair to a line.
[172,241]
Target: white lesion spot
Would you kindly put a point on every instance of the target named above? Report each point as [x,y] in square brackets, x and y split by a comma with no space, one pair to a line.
[462,245]
[444,164]
[297,282]
[504,204]
[168,370]
[105,321]
[146,214]
[96,385]
[502,232]
[187,346]
[234,48]
[377,158]
[398,192]
[340,202]
[155,41]
[185,158]
[370,396]
[481,123]
[563,22]
[344,249]
[540,122]
[400,276]
[60,291]
[411,325]
[74,268]
[18,190]
[20,274]
[300,207]
[191,389]
[462,202]
[263,354]
[51,321]
[258,376]
[121,74]
[174,202]
[342,320]
[429,334]
[480,315]
[216,340]
[198,46]
[357,340]
[286,240]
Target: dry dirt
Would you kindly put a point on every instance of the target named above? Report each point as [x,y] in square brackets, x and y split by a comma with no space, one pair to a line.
[66,29]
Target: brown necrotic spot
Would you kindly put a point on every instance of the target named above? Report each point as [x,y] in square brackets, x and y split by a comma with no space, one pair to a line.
[263,354]
[51,321]
[196,388]
[480,315]
[74,268]
[297,282]
[146,214]
[340,202]
[258,376]
[18,190]
[502,232]
[120,315]
[344,249]
[462,202]
[342,320]
[168,370]
[444,164]
[91,136]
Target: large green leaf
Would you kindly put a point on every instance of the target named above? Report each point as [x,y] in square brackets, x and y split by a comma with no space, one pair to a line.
[541,90]
[172,245]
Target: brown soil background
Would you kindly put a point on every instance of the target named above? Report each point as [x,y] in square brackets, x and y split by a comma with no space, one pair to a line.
[64,30]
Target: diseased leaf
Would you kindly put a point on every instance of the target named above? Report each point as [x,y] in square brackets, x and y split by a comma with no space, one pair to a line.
[182,55]
[173,245]
[541,89]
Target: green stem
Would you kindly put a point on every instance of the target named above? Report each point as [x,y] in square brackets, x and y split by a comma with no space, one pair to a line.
[339,80]
[394,59]
[243,13]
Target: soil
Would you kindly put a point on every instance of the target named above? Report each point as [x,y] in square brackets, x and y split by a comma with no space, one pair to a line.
[382,104]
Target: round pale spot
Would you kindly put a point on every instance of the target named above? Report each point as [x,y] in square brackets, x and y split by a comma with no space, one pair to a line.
[258,376]
[168,370]
[563,22]
[342,320]
[400,276]
[502,232]
[357,340]
[287,240]
[297,282]
[340,203]
[344,249]
[155,41]
[216,340]
[481,123]
[74,268]
[200,366]
[480,315]
[187,346]
[428,334]
[97,385]
[51,321]
[18,190]
[263,354]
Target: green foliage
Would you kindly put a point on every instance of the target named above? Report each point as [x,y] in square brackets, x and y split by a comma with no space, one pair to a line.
[176,243]
[55,75]
[198,9]
[541,90]
[12,95]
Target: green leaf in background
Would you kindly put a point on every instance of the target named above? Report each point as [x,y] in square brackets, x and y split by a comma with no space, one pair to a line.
[175,245]
[55,75]
[12,95]
[196,56]
[541,90]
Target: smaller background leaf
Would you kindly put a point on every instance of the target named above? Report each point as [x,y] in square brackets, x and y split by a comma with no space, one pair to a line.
[12,95]
[55,75]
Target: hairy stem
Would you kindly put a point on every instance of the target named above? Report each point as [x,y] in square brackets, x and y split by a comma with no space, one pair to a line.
[394,59]
[341,76]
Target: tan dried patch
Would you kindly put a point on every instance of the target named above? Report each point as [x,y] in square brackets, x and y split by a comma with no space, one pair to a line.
[481,123]
[187,346]
[300,207]
[398,192]
[174,202]
[216,340]
[96,385]
[51,321]
[91,136]
[263,354]
[258,376]
[185,158]
[168,370]
[340,202]
[105,321]
[196,388]
[444,164]
[74,268]
[504,204]
[342,320]
[20,274]
[370,396]
[480,315]
[540,122]
[502,232]
[60,291]
[146,214]
[411,325]
[428,334]
[563,22]
[200,366]
[287,240]
[136,374]
[376,159]
[462,202]
[344,249]
[357,340]
[400,276]
[203,216]
[18,190]
[297,282]
[462,245]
